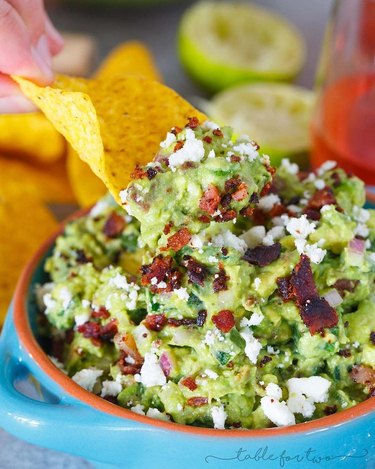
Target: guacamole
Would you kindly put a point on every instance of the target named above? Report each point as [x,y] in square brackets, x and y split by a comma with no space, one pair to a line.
[223,294]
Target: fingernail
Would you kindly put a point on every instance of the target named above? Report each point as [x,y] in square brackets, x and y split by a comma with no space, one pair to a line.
[16,105]
[42,57]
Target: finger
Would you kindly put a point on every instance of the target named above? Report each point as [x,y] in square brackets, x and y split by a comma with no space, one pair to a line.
[16,54]
[55,40]
[32,14]
[11,99]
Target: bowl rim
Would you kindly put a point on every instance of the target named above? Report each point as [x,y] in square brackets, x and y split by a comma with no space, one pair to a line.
[30,344]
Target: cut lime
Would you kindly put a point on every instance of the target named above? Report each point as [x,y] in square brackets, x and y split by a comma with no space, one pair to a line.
[275,115]
[224,43]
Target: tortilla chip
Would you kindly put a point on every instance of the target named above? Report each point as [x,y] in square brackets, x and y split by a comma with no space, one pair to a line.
[116,124]
[130,58]
[30,137]
[87,187]
[46,183]
[25,223]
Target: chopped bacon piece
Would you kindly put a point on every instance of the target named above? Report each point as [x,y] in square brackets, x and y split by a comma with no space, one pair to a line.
[254,198]
[247,212]
[210,200]
[315,311]
[114,225]
[128,347]
[151,173]
[201,318]
[167,228]
[181,322]
[336,179]
[330,410]
[220,281]
[89,330]
[179,239]
[155,322]
[343,285]
[197,401]
[109,330]
[81,257]
[241,193]
[204,219]
[159,268]
[225,215]
[363,375]
[226,200]
[235,159]
[263,255]
[232,184]
[277,210]
[266,189]
[189,382]
[345,352]
[285,288]
[207,139]
[193,122]
[176,130]
[197,273]
[312,214]
[372,337]
[138,173]
[266,359]
[218,133]
[224,320]
[322,197]
[178,146]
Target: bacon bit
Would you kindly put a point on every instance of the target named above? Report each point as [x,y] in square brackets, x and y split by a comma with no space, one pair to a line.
[181,322]
[302,175]
[316,312]
[109,330]
[372,337]
[220,281]
[270,168]
[226,200]
[102,313]
[93,330]
[114,225]
[235,159]
[346,353]
[204,219]
[285,288]
[266,189]
[320,198]
[197,401]
[176,130]
[201,318]
[210,200]
[241,193]
[225,215]
[232,184]
[224,251]
[224,320]
[159,268]
[266,359]
[178,146]
[218,133]
[254,198]
[343,285]
[263,255]
[189,382]
[128,347]
[197,273]
[81,257]
[312,214]
[151,173]
[155,322]
[193,122]
[207,139]
[167,228]
[336,179]
[363,375]
[247,212]
[179,239]
[138,173]
[329,410]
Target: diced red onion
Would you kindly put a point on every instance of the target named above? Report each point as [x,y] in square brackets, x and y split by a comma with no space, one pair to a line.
[333,298]
[166,363]
[357,246]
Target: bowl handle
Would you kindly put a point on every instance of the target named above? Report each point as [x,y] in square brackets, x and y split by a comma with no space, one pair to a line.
[39,421]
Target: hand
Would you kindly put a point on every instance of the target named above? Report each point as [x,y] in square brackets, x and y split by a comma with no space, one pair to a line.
[28,40]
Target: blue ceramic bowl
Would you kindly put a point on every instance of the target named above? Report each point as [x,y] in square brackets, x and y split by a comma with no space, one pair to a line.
[41,405]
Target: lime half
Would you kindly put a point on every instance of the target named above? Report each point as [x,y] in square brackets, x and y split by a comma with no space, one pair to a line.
[275,115]
[225,43]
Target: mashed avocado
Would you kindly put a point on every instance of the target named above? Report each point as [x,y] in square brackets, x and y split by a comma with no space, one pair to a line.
[225,294]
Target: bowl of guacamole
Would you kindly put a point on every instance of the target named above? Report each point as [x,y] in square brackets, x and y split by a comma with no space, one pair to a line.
[223,314]
[223,294]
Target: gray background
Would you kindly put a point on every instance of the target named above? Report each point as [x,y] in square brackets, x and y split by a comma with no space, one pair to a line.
[157,28]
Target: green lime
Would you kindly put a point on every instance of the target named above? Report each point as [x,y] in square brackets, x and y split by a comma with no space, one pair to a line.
[275,115]
[222,43]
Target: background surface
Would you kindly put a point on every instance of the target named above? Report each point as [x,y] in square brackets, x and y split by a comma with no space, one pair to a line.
[157,28]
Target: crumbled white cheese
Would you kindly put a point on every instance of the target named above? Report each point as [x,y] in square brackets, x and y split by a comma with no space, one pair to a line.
[300,227]
[299,404]
[256,284]
[170,138]
[110,388]
[156,414]
[314,387]
[123,196]
[49,302]
[211,374]
[80,319]
[65,296]
[361,230]
[291,168]
[273,390]
[131,304]
[98,208]
[211,154]
[319,184]
[315,253]
[193,150]
[87,378]
[267,202]
[182,293]
[209,125]
[326,166]
[213,259]
[209,338]
[361,215]
[119,281]
[254,236]
[246,149]
[276,411]
[253,346]
[197,241]
[86,304]
[138,409]
[151,372]
[228,239]
[219,417]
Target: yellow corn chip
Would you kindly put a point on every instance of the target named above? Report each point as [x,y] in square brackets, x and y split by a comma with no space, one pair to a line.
[31,137]
[130,58]
[116,124]
[25,223]
[87,187]
[47,183]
